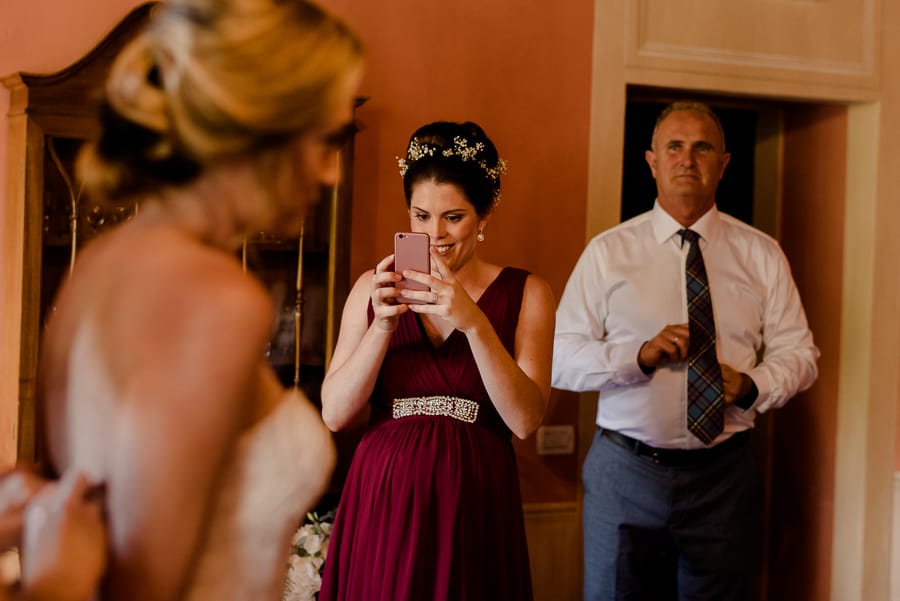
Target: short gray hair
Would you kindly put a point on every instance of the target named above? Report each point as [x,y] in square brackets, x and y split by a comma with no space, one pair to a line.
[689,105]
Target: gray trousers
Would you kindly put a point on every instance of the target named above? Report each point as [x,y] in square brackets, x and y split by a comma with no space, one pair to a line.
[653,532]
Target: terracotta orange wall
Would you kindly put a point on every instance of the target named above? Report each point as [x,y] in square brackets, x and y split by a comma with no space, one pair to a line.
[38,36]
[45,35]
[518,68]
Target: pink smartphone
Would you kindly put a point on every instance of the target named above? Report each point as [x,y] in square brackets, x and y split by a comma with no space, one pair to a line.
[411,252]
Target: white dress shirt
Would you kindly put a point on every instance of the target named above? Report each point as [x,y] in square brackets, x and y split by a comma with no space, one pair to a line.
[629,283]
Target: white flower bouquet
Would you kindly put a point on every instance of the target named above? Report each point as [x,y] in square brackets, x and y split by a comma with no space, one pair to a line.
[308,550]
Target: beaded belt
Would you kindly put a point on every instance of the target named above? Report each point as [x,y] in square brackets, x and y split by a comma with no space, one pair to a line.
[450,406]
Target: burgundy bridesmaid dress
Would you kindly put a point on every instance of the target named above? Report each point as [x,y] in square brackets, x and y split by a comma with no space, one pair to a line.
[431,508]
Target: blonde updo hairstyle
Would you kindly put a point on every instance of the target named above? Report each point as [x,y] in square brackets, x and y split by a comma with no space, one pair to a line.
[209,81]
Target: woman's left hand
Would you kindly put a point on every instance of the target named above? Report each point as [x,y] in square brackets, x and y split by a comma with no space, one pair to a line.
[447,299]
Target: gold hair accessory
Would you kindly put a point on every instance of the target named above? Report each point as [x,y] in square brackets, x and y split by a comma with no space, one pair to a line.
[419,149]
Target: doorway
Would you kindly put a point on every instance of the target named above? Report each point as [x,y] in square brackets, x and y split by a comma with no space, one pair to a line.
[735,191]
[787,178]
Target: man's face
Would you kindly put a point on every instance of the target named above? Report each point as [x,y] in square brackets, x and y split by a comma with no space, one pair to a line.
[687,161]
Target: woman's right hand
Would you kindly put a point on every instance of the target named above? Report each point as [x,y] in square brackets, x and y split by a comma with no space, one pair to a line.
[64,541]
[384,296]
[17,487]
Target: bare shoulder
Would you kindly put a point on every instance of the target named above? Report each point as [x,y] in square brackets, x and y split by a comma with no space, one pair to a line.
[201,289]
[538,293]
[362,290]
[218,287]
[537,316]
[160,274]
[364,281]
[201,354]
[182,307]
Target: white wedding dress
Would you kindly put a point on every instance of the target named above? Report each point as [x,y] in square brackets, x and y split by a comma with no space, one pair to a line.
[280,467]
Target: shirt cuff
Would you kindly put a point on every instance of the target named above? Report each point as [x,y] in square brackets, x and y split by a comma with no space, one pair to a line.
[627,369]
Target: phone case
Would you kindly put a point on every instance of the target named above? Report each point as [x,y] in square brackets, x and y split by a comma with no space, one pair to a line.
[411,252]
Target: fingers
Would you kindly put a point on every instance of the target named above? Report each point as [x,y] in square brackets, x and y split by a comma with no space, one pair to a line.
[383,281]
[383,265]
[735,384]
[416,297]
[670,345]
[452,304]
[64,521]
[431,296]
[73,499]
[441,287]
[673,342]
[17,487]
[386,313]
[384,294]
[70,493]
[656,352]
[680,337]
[676,348]
[440,274]
[76,489]
[439,267]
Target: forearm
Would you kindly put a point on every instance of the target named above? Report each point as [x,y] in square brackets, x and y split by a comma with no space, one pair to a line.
[789,361]
[780,378]
[519,399]
[348,386]
[583,364]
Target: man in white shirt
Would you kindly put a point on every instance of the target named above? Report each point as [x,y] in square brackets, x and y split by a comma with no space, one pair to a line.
[671,512]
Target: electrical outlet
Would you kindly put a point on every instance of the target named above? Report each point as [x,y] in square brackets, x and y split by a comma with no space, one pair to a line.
[556,440]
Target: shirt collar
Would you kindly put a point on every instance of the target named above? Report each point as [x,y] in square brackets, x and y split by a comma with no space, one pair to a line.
[665,226]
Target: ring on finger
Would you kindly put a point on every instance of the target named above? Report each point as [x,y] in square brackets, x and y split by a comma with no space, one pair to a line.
[434,298]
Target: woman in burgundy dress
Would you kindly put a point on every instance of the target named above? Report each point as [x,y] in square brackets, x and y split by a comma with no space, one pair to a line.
[431,508]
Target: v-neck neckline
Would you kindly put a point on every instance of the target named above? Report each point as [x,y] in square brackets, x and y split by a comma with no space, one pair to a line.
[443,343]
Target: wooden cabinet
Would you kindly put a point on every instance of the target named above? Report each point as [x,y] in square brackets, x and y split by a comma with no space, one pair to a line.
[308,278]
[47,220]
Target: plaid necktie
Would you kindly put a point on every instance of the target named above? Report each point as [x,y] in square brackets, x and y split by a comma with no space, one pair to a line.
[706,409]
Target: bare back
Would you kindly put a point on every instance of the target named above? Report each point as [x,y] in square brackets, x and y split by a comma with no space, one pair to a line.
[152,368]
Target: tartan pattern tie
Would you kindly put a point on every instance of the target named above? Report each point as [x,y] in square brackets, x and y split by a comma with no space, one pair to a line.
[706,408]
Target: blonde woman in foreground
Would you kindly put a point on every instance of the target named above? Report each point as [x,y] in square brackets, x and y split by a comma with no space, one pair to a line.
[221,120]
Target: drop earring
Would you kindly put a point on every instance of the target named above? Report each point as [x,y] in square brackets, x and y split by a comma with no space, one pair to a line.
[480,236]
